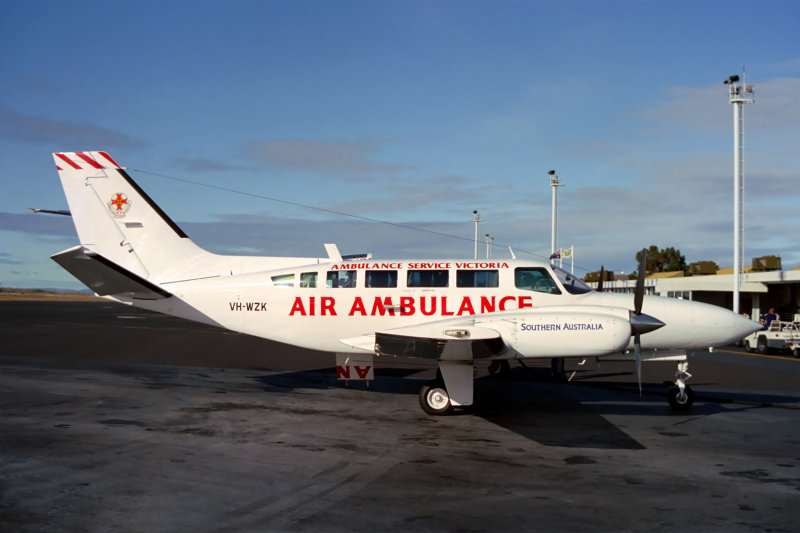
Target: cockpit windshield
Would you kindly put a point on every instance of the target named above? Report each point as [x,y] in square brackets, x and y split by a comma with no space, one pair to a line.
[572,284]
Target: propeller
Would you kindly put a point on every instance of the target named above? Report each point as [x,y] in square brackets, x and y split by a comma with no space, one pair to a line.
[638,294]
[641,323]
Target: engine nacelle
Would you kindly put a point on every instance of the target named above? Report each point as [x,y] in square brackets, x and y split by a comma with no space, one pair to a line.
[564,334]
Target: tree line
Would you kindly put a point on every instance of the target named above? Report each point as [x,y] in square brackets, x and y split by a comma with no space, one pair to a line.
[658,260]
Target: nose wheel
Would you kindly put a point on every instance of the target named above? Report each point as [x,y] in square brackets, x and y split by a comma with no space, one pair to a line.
[680,400]
[434,399]
[680,396]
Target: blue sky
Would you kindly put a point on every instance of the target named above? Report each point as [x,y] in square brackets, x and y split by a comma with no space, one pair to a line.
[415,113]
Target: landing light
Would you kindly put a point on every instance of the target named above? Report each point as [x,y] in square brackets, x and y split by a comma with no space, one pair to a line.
[457,333]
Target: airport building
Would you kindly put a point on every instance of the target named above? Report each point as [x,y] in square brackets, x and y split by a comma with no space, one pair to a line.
[759,291]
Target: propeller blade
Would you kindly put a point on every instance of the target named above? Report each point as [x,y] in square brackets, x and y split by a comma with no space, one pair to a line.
[637,348]
[638,296]
[600,281]
[641,323]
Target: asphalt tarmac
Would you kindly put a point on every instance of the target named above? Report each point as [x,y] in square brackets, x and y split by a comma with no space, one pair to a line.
[113,419]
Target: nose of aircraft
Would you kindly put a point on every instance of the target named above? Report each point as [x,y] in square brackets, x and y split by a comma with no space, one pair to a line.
[695,325]
[744,326]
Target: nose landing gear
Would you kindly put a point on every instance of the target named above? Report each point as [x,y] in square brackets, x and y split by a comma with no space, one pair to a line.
[680,396]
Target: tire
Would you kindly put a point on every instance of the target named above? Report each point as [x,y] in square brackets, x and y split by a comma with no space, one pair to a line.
[796,352]
[680,402]
[498,368]
[434,399]
[763,347]
[749,347]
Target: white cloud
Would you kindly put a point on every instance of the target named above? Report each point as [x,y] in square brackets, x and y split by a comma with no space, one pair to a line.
[319,156]
[50,225]
[707,109]
[30,129]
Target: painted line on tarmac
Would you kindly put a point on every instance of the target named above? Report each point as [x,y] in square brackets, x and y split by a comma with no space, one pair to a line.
[780,357]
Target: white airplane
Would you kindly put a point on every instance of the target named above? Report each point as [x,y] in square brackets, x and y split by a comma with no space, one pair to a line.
[455,312]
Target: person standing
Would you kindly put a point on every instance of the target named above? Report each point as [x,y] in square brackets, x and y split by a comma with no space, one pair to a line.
[769,317]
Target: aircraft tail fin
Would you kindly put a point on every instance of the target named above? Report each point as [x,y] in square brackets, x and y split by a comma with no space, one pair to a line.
[118,222]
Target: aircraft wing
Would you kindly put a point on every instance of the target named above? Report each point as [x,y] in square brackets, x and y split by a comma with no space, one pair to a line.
[438,340]
[105,277]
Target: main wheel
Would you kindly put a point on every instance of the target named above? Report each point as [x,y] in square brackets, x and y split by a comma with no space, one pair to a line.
[763,347]
[499,367]
[796,352]
[433,398]
[680,401]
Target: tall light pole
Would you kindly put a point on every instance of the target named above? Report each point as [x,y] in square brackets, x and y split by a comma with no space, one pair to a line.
[738,97]
[555,184]
[478,219]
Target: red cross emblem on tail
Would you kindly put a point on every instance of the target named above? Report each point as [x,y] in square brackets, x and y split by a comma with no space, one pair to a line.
[119,205]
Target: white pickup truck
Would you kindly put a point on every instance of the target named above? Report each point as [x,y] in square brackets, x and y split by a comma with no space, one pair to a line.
[779,336]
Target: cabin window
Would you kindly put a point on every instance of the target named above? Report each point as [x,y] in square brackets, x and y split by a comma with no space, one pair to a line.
[341,279]
[427,278]
[476,278]
[381,278]
[308,280]
[535,279]
[683,295]
[283,280]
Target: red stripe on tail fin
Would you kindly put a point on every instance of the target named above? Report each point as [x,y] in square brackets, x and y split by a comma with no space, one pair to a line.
[68,161]
[114,163]
[88,159]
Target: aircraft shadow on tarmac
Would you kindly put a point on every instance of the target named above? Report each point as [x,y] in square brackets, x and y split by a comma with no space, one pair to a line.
[525,401]
[710,397]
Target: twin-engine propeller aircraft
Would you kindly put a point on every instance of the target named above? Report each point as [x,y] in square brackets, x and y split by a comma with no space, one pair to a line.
[455,312]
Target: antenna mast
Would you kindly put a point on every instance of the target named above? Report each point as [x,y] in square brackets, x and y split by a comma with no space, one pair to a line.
[555,184]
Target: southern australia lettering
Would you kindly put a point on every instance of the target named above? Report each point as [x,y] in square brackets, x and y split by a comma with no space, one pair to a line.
[566,326]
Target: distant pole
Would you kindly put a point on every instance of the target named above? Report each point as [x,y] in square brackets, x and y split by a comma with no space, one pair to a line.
[572,259]
[738,97]
[489,240]
[478,219]
[555,184]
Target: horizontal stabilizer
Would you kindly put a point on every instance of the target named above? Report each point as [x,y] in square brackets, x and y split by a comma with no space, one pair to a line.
[64,212]
[105,277]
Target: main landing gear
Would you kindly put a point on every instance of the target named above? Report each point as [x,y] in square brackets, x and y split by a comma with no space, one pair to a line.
[453,387]
[434,399]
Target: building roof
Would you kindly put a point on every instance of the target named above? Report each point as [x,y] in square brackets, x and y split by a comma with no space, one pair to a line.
[666,275]
[750,282]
